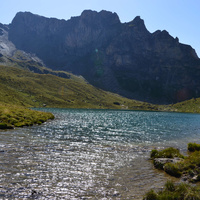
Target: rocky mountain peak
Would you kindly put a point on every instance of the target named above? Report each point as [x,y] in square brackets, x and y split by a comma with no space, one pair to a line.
[100,19]
[103,15]
[24,18]
[9,53]
[138,26]
[124,58]
[137,21]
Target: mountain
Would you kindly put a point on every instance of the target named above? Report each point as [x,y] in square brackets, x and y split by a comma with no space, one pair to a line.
[8,51]
[123,58]
[11,56]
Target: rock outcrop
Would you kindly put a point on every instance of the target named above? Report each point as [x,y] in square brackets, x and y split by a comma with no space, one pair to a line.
[10,54]
[124,58]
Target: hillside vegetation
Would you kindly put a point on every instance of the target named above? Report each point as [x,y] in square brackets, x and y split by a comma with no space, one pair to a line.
[25,88]
[172,191]
[192,106]
[187,167]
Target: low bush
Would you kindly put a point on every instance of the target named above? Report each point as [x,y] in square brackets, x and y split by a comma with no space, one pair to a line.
[5,126]
[175,192]
[172,169]
[188,165]
[166,153]
[151,195]
[193,147]
[173,163]
[169,185]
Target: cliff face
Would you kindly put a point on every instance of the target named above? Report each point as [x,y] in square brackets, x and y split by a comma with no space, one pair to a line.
[10,55]
[120,57]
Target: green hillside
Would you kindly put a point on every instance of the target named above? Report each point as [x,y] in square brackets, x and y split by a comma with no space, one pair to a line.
[191,106]
[25,88]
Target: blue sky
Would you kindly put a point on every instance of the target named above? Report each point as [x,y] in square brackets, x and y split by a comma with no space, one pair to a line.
[181,18]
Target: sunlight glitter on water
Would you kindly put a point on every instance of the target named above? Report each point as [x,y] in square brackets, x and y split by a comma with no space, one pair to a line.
[92,154]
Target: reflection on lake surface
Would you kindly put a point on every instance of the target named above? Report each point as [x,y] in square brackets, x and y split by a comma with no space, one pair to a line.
[90,154]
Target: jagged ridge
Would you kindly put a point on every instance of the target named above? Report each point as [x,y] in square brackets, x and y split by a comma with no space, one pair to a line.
[124,58]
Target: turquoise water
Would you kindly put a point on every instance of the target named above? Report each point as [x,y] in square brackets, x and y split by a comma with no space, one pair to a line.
[90,154]
[120,127]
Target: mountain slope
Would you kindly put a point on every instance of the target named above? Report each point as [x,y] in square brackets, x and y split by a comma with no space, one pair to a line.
[25,88]
[22,88]
[124,58]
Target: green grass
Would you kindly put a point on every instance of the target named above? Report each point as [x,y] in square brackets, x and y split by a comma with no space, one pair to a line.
[16,116]
[189,106]
[25,88]
[166,153]
[175,192]
[193,147]
[173,170]
[189,166]
[20,86]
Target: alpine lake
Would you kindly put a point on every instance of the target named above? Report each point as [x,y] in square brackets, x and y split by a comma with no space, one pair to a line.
[91,154]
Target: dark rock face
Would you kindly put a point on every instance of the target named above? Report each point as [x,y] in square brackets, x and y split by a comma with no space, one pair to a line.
[11,56]
[119,57]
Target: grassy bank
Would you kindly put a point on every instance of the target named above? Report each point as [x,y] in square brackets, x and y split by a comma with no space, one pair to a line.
[175,164]
[185,167]
[25,88]
[16,116]
[171,191]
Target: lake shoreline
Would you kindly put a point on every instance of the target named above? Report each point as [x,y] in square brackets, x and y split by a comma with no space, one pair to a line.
[12,116]
[91,153]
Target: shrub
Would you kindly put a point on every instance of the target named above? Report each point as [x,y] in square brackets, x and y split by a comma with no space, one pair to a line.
[169,185]
[193,147]
[5,126]
[158,164]
[151,195]
[154,153]
[116,103]
[172,170]
[171,192]
[166,153]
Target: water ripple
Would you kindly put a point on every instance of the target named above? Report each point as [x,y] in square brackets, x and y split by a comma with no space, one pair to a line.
[91,154]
